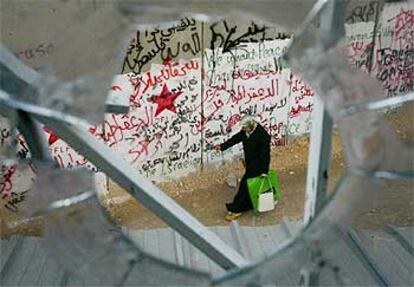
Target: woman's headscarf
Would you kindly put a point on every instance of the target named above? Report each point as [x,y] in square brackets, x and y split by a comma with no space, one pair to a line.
[250,122]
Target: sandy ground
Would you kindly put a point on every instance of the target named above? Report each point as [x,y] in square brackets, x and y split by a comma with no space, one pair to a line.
[204,193]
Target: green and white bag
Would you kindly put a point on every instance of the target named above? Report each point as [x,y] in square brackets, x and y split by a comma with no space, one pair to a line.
[264,191]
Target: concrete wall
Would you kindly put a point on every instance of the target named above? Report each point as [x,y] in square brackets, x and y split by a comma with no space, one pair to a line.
[190,82]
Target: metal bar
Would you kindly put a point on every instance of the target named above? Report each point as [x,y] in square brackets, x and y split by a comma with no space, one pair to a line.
[239,239]
[310,17]
[352,240]
[332,21]
[380,5]
[400,238]
[287,227]
[7,257]
[377,104]
[34,136]
[24,72]
[202,77]
[28,77]
[332,28]
[62,203]
[77,136]
[178,243]
[318,160]
[383,174]
[7,262]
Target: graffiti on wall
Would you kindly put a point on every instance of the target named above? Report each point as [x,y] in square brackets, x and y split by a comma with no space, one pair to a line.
[35,52]
[227,36]
[394,49]
[148,47]
[183,100]
[250,80]
[300,107]
[15,179]
[362,11]
[184,41]
[359,47]
[159,135]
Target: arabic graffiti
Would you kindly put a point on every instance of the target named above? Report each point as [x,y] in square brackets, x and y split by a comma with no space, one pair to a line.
[225,37]
[184,41]
[38,51]
[228,36]
[159,45]
[158,136]
[15,181]
[180,105]
[394,50]
[359,45]
[255,85]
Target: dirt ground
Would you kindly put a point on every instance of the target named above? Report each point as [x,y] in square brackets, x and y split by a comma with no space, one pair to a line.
[204,193]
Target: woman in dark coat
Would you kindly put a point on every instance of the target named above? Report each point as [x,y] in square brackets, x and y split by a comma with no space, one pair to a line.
[256,146]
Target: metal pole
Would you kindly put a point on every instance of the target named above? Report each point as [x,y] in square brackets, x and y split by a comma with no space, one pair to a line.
[34,136]
[318,160]
[332,23]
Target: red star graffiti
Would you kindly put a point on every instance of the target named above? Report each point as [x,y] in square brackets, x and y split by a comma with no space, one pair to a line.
[52,137]
[165,100]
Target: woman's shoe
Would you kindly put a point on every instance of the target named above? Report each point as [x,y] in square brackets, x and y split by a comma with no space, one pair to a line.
[232,216]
